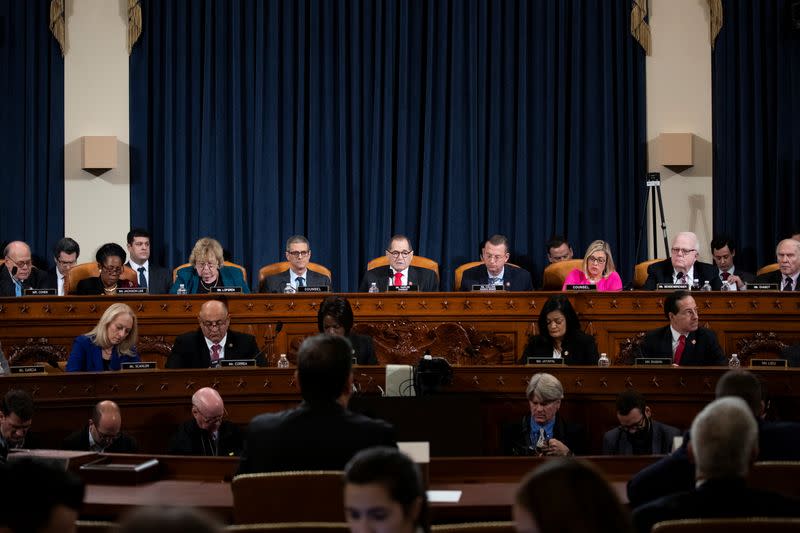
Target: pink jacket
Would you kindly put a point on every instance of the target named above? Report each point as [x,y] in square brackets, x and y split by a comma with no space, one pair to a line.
[610,283]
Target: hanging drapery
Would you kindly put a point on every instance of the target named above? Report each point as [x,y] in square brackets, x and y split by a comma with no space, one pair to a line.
[715,20]
[640,29]
[57,26]
[134,23]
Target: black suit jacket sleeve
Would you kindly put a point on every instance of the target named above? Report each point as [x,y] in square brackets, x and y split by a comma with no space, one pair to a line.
[580,348]
[661,272]
[191,351]
[364,349]
[36,280]
[514,278]
[425,279]
[79,441]
[702,348]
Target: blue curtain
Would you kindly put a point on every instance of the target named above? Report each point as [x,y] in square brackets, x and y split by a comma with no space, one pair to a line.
[756,126]
[348,121]
[31,127]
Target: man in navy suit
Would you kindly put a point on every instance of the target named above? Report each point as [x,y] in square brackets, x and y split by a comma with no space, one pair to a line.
[400,273]
[682,266]
[157,280]
[723,250]
[495,270]
[787,277]
[65,254]
[298,253]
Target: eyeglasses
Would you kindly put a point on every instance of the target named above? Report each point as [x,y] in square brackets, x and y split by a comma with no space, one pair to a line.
[106,437]
[111,269]
[491,257]
[395,253]
[598,260]
[211,419]
[299,253]
[206,265]
[66,263]
[682,251]
[22,264]
[633,428]
[211,325]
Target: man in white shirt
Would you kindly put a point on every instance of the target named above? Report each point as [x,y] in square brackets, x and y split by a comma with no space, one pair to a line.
[156,280]
[786,277]
[65,254]
[723,250]
[400,273]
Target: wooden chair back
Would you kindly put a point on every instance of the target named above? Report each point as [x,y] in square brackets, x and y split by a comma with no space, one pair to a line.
[226,263]
[728,525]
[417,261]
[295,527]
[766,269]
[640,272]
[475,527]
[555,273]
[91,270]
[459,273]
[276,268]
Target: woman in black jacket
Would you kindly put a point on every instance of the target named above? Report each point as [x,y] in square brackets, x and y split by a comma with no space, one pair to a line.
[560,335]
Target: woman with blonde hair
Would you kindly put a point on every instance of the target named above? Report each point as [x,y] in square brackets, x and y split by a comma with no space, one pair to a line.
[598,269]
[109,344]
[207,270]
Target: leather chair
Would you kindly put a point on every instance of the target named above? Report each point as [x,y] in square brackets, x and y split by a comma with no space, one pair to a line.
[640,273]
[226,263]
[728,525]
[277,268]
[298,527]
[417,261]
[475,527]
[555,273]
[459,273]
[91,270]
[766,269]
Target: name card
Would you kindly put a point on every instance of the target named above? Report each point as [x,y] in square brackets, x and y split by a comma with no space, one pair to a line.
[761,286]
[652,361]
[769,363]
[546,361]
[27,369]
[40,292]
[671,286]
[402,288]
[488,287]
[307,288]
[225,289]
[141,365]
[228,363]
[132,290]
[581,287]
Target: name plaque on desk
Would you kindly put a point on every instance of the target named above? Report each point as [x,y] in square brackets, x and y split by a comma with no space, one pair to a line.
[225,289]
[40,292]
[671,287]
[581,287]
[402,288]
[141,365]
[769,363]
[652,361]
[229,363]
[132,290]
[546,361]
[761,286]
[27,369]
[488,287]
[319,288]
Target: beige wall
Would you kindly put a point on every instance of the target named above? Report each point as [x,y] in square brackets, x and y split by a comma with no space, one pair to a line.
[96,209]
[679,100]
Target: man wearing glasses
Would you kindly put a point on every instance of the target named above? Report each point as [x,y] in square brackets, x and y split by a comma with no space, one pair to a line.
[495,270]
[16,418]
[19,273]
[638,433]
[682,267]
[65,254]
[207,346]
[298,253]
[103,433]
[400,273]
[207,432]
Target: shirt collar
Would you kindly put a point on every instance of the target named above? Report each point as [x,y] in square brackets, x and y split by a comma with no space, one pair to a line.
[135,266]
[221,343]
[499,276]
[293,277]
[548,427]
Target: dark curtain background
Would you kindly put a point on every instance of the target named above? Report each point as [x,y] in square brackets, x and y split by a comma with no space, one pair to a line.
[348,121]
[756,126]
[31,127]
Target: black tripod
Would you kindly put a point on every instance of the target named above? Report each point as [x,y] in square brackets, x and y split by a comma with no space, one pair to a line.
[653,193]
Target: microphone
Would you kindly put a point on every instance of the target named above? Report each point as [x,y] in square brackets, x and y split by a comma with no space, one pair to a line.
[14,271]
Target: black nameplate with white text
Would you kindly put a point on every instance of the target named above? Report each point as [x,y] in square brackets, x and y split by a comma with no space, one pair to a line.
[132,290]
[141,365]
[545,360]
[225,289]
[671,286]
[581,287]
[27,369]
[228,363]
[40,292]
[403,288]
[761,286]
[309,288]
[652,361]
[488,287]
[769,363]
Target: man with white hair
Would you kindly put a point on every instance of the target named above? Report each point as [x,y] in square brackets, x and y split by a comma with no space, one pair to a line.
[682,267]
[19,273]
[786,277]
[724,444]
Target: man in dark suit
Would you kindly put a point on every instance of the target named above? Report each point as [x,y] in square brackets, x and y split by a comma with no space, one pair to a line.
[213,342]
[65,254]
[321,433]
[683,339]
[103,432]
[19,273]
[298,253]
[399,273]
[16,418]
[157,280]
[724,444]
[723,250]
[788,274]
[683,266]
[495,270]
[638,433]
[207,432]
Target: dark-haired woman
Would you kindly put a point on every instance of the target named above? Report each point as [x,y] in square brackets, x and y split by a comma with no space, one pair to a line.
[335,317]
[110,260]
[560,335]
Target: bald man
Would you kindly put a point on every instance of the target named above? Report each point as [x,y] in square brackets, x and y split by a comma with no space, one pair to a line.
[213,341]
[207,432]
[19,273]
[682,267]
[103,434]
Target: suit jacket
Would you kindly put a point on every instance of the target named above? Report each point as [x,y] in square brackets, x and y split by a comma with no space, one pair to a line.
[159,278]
[792,354]
[518,437]
[514,278]
[661,272]
[37,280]
[90,286]
[51,280]
[314,436]
[363,348]
[702,348]
[191,351]
[88,357]
[615,441]
[277,282]
[189,439]
[776,277]
[229,277]
[79,441]
[580,348]
[424,278]
[716,498]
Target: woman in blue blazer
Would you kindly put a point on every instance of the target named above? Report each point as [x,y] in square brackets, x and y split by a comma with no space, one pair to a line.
[110,343]
[208,270]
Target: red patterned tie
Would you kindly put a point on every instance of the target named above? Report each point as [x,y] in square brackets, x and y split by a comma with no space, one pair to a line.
[725,276]
[215,348]
[679,349]
[398,279]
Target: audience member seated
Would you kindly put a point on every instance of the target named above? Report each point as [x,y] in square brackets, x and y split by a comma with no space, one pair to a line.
[598,269]
[638,433]
[560,335]
[683,266]
[383,491]
[792,355]
[19,273]
[495,270]
[335,317]
[683,339]
[42,498]
[786,277]
[400,273]
[65,255]
[568,496]
[156,279]
[169,520]
[110,260]
[558,249]
[110,343]
[213,342]
[298,253]
[543,431]
[207,270]
[103,433]
[207,432]
[723,251]
[16,419]
[321,433]
[724,444]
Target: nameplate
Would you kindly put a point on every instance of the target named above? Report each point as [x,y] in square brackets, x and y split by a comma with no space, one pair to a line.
[307,288]
[761,286]
[581,287]
[228,363]
[769,363]
[141,365]
[27,369]
[488,287]
[671,286]
[402,288]
[132,290]
[225,289]
[40,292]
[546,361]
[652,361]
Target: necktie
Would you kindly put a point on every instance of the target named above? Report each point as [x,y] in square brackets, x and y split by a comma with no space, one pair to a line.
[17,287]
[142,279]
[679,277]
[725,276]
[679,349]
[301,282]
[495,281]
[215,354]
[398,279]
[541,442]
[787,284]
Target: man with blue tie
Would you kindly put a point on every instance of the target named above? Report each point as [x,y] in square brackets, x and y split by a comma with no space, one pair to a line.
[495,269]
[19,273]
[156,280]
[298,255]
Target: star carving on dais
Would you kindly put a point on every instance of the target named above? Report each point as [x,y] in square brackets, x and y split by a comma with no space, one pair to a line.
[731,304]
[614,303]
[290,305]
[46,309]
[656,383]
[190,384]
[532,304]
[467,305]
[24,308]
[92,308]
[488,304]
[268,306]
[357,305]
[754,304]
[250,306]
[313,305]
[511,304]
[777,304]
[164,307]
[500,380]
[445,304]
[70,308]
[241,384]
[187,306]
[163,386]
[379,305]
[401,304]
[267,383]
[140,308]
[707,304]
[423,304]
[637,304]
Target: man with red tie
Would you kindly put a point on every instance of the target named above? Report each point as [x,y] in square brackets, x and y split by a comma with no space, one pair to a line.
[682,340]
[400,273]
[723,250]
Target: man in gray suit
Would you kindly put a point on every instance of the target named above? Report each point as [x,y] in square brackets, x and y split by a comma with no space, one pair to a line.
[638,433]
[298,253]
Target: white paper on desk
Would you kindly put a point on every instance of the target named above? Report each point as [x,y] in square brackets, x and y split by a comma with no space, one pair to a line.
[444,496]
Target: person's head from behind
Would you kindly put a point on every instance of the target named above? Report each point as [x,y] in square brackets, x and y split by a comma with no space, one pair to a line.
[16,417]
[110,260]
[724,440]
[569,496]
[544,394]
[383,493]
[558,318]
[598,261]
[169,520]
[745,385]
[65,253]
[495,254]
[324,369]
[208,409]
[558,249]
[44,499]
[335,316]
